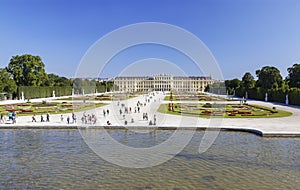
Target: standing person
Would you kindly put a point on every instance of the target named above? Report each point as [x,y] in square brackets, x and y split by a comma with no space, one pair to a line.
[42,118]
[1,121]
[68,119]
[74,118]
[47,117]
[14,116]
[10,116]
[61,118]
[104,113]
[107,112]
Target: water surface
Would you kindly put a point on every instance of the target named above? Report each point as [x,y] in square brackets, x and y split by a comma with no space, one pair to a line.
[60,159]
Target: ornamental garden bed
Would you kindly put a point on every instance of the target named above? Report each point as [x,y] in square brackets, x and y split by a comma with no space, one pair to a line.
[228,110]
[51,107]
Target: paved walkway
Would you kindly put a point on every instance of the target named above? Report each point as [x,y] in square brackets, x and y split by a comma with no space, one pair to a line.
[281,127]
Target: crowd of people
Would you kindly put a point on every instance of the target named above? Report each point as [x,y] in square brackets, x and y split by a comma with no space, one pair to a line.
[127,114]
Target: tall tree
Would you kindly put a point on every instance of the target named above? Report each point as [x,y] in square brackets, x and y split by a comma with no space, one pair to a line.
[7,83]
[248,80]
[55,80]
[269,77]
[27,70]
[294,76]
[232,85]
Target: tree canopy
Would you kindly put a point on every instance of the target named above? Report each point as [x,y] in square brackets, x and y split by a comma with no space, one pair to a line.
[269,77]
[294,76]
[7,83]
[27,70]
[232,85]
[248,80]
[55,80]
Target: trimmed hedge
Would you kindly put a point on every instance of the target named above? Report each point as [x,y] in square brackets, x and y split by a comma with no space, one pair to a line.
[43,91]
[274,95]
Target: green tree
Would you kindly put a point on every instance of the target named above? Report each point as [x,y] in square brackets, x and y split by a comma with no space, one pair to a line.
[248,81]
[268,78]
[294,76]
[7,83]
[27,70]
[55,80]
[232,85]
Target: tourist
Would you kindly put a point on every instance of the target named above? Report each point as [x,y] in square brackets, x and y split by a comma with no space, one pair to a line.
[107,112]
[10,116]
[83,119]
[120,111]
[94,119]
[154,120]
[33,118]
[14,116]
[108,123]
[104,113]
[74,118]
[42,118]
[68,119]
[47,117]
[1,119]
[89,118]
[61,118]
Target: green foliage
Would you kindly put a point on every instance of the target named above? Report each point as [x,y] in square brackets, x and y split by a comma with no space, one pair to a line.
[232,85]
[90,86]
[7,84]
[248,81]
[43,91]
[55,80]
[294,76]
[269,77]
[294,96]
[27,70]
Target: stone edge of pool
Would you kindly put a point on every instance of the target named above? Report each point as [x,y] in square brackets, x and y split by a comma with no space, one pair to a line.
[233,129]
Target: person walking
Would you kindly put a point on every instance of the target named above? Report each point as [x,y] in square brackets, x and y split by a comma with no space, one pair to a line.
[47,117]
[74,117]
[33,118]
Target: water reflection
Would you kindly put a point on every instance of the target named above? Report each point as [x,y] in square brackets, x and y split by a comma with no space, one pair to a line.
[60,159]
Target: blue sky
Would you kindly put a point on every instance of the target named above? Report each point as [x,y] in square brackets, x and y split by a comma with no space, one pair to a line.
[243,35]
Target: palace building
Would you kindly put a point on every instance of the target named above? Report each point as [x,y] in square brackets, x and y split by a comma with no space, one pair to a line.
[162,83]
